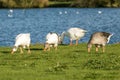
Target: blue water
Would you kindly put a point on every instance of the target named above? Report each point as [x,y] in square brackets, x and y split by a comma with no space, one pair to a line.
[39,22]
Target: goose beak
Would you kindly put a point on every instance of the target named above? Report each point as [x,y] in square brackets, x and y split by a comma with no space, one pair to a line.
[111,34]
[85,31]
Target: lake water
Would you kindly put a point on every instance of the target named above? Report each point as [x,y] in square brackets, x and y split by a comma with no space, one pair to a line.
[39,22]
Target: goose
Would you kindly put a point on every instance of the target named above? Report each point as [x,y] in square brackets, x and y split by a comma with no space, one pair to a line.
[22,40]
[99,12]
[52,39]
[60,12]
[65,12]
[77,12]
[10,13]
[99,39]
[73,34]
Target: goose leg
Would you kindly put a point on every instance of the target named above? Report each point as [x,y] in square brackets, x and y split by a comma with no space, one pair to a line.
[77,42]
[46,46]
[103,48]
[89,47]
[29,50]
[88,50]
[21,51]
[49,48]
[70,42]
[55,46]
[96,48]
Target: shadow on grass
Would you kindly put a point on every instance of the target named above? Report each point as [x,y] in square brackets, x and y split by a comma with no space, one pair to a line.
[5,52]
[63,44]
[32,49]
[79,51]
[36,49]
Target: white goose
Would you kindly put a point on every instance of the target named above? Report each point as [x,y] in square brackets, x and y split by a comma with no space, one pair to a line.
[52,39]
[22,40]
[10,13]
[73,34]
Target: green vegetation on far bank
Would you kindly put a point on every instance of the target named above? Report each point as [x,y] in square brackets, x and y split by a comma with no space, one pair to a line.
[58,3]
[67,63]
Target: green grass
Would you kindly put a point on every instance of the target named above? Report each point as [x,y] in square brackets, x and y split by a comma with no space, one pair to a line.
[67,63]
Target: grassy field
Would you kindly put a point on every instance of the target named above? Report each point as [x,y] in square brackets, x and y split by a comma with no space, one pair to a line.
[67,63]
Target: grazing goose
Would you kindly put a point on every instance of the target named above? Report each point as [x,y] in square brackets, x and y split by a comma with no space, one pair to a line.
[73,34]
[52,39]
[99,39]
[22,40]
